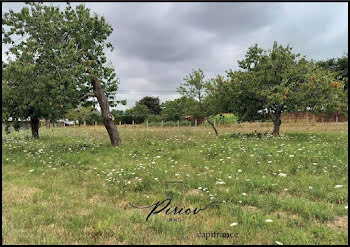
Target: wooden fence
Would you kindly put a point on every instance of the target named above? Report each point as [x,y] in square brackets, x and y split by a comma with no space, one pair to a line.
[310,117]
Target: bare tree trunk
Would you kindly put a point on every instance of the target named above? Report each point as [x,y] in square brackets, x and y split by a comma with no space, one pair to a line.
[276,125]
[34,124]
[212,125]
[107,117]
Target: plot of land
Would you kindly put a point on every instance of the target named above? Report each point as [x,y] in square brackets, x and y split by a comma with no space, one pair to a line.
[72,187]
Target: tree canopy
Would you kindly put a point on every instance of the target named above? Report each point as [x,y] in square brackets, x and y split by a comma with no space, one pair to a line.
[275,81]
[60,54]
[152,103]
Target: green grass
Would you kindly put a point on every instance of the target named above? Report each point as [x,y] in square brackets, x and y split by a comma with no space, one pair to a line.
[72,187]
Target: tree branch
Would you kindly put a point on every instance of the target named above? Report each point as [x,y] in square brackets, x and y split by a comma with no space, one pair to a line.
[87,96]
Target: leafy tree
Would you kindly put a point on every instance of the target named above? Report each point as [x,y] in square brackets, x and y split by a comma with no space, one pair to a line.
[277,81]
[152,104]
[81,114]
[138,113]
[195,87]
[94,116]
[62,52]
[119,115]
[338,65]
[29,93]
[154,118]
[173,110]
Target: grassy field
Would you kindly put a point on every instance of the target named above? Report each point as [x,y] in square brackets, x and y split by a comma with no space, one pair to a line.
[72,187]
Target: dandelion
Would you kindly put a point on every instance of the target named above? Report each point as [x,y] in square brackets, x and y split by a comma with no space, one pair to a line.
[234,224]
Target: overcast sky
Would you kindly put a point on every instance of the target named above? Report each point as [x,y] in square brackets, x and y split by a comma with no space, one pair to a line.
[157,44]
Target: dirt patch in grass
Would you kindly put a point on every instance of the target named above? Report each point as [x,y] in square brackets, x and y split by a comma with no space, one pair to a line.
[252,209]
[18,194]
[286,215]
[339,223]
[195,192]
[123,205]
[282,214]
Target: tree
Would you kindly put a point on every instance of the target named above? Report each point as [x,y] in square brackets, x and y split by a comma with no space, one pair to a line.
[81,114]
[277,81]
[28,93]
[173,110]
[152,104]
[64,48]
[119,115]
[195,87]
[338,65]
[138,113]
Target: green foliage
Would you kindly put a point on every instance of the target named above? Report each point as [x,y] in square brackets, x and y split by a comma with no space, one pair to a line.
[138,113]
[338,65]
[152,103]
[118,115]
[154,118]
[173,110]
[194,87]
[84,114]
[57,55]
[225,118]
[218,98]
[278,80]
